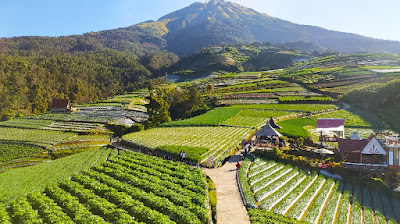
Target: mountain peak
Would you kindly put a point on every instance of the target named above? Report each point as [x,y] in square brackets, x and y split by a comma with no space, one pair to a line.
[218,22]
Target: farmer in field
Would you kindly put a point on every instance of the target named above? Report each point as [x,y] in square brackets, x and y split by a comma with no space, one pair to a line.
[183,156]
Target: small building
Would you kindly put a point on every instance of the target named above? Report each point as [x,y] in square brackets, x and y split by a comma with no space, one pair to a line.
[330,125]
[392,144]
[367,151]
[61,105]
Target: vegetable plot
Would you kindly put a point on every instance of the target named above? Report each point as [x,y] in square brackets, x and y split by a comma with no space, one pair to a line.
[219,141]
[129,188]
[310,197]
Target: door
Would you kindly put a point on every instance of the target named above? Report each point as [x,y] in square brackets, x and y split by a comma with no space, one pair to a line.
[390,158]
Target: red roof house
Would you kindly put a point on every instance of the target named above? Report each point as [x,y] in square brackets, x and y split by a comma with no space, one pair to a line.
[61,105]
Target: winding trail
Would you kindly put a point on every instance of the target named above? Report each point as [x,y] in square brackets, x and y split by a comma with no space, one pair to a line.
[230,208]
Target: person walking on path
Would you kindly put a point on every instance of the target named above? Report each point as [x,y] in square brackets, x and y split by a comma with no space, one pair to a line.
[238,165]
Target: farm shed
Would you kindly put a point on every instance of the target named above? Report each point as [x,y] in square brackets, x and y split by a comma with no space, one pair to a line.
[334,125]
[61,105]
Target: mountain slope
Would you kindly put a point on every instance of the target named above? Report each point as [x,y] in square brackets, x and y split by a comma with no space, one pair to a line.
[219,22]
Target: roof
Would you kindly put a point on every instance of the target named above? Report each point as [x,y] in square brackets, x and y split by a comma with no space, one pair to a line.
[273,124]
[124,121]
[374,148]
[267,131]
[60,103]
[351,145]
[330,123]
[355,136]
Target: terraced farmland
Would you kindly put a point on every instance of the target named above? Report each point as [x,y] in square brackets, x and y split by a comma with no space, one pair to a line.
[36,137]
[78,127]
[312,198]
[129,188]
[255,118]
[220,141]
[16,182]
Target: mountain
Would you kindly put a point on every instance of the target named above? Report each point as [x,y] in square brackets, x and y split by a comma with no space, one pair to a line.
[211,23]
[220,22]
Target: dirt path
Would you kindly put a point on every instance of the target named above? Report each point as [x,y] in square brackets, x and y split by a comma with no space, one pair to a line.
[230,208]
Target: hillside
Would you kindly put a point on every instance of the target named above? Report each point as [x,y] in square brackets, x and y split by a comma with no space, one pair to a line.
[221,22]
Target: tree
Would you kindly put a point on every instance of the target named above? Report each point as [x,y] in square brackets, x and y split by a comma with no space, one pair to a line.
[157,110]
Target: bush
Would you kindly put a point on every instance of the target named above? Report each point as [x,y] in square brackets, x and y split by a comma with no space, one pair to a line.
[120,130]
[212,194]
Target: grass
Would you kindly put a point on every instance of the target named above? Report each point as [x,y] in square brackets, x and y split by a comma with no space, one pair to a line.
[295,127]
[254,118]
[211,118]
[17,182]
[288,107]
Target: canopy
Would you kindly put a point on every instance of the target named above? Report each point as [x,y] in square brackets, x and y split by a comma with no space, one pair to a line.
[273,124]
[267,131]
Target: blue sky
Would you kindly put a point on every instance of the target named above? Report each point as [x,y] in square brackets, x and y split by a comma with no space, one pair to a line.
[379,19]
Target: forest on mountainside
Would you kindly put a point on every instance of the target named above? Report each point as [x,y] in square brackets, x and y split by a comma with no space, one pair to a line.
[29,83]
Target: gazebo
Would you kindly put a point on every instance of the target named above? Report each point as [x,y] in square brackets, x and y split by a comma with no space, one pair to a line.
[267,137]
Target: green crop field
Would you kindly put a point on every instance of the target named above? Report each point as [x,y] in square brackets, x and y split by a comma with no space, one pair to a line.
[310,197]
[219,141]
[303,98]
[9,152]
[26,123]
[355,121]
[32,136]
[130,188]
[211,118]
[255,118]
[19,181]
[288,107]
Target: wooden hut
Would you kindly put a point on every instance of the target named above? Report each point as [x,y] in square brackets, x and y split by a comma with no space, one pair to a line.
[61,105]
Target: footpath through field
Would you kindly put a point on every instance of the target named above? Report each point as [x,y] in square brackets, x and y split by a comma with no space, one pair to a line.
[230,208]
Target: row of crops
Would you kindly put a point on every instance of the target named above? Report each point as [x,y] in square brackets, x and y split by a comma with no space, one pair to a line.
[96,116]
[220,141]
[78,127]
[16,182]
[233,117]
[128,188]
[313,198]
